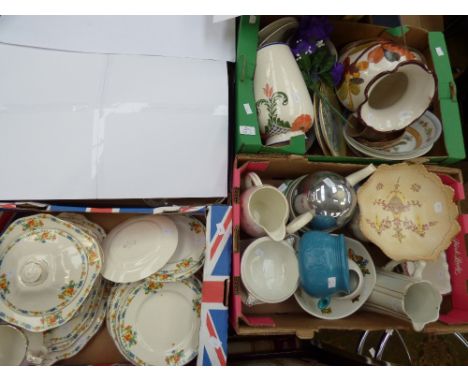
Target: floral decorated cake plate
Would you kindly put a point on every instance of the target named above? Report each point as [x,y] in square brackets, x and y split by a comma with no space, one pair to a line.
[407,212]
[138,248]
[159,323]
[47,269]
[189,254]
[341,308]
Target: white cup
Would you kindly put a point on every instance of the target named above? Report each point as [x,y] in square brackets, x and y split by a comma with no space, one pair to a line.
[408,298]
[13,346]
[265,210]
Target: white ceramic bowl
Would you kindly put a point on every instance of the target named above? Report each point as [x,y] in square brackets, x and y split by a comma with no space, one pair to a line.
[269,270]
[13,346]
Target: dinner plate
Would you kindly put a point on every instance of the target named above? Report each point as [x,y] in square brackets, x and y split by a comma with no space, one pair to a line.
[170,340]
[88,226]
[138,248]
[85,336]
[189,254]
[274,26]
[47,269]
[331,124]
[340,308]
[417,140]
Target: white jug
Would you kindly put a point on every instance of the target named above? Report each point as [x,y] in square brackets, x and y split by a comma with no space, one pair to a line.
[408,298]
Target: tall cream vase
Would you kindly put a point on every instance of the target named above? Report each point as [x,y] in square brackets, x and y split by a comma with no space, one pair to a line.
[284,105]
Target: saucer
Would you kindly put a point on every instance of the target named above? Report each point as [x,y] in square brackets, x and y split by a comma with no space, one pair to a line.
[318,129]
[339,308]
[138,248]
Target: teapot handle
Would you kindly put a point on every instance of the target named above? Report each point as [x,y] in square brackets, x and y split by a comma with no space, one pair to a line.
[300,222]
[360,175]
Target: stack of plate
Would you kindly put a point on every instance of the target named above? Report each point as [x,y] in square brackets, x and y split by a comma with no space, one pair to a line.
[417,140]
[155,323]
[69,339]
[48,267]
[87,226]
[164,248]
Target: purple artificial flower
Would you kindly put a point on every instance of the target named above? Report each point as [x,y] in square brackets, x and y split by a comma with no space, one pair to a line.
[337,73]
[314,28]
[302,47]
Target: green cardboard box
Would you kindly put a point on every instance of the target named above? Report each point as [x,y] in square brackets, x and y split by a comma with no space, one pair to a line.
[448,149]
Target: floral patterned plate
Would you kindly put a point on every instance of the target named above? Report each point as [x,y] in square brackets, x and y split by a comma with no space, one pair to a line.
[47,269]
[159,323]
[339,308]
[138,248]
[407,212]
[417,140]
[189,254]
[99,310]
[60,338]
[88,226]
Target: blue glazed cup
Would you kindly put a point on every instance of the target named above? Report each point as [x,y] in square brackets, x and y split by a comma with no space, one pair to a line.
[323,265]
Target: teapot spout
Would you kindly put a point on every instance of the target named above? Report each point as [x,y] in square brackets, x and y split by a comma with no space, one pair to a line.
[360,175]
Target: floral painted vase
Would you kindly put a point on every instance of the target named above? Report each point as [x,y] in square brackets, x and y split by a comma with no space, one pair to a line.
[387,85]
[284,105]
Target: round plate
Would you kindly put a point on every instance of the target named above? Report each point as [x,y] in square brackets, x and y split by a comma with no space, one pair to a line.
[138,248]
[318,129]
[343,308]
[417,140]
[47,269]
[407,212]
[173,338]
[276,26]
[331,124]
[189,254]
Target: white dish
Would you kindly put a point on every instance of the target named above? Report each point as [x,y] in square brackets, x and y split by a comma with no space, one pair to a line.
[341,308]
[437,272]
[13,346]
[282,34]
[138,248]
[189,254]
[47,269]
[269,270]
[173,338]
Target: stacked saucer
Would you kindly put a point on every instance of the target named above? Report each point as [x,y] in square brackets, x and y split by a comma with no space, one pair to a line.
[155,323]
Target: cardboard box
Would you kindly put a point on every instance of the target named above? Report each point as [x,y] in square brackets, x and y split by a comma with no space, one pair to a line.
[448,149]
[288,317]
[215,275]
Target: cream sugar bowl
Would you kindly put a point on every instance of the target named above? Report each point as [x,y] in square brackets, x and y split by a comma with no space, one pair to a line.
[13,346]
[387,85]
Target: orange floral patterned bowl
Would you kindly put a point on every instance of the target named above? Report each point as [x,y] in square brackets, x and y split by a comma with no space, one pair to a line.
[389,86]
[407,212]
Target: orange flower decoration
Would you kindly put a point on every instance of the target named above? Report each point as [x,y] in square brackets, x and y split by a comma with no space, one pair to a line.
[268,90]
[391,51]
[303,122]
